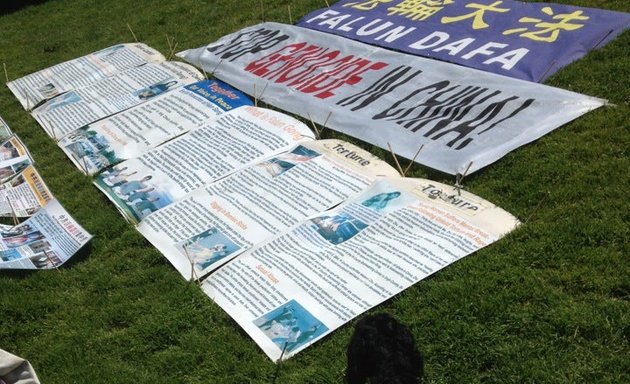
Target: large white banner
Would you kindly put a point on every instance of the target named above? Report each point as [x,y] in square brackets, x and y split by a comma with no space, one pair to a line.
[294,289]
[465,118]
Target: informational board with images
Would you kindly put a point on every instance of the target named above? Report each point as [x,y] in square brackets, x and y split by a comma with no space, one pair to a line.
[46,240]
[212,225]
[231,141]
[296,288]
[133,132]
[524,40]
[463,118]
[74,109]
[33,89]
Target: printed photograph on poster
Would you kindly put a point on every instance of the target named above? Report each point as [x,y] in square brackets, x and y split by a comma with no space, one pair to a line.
[290,326]
[137,195]
[207,247]
[91,148]
[8,171]
[280,164]
[61,101]
[338,228]
[155,89]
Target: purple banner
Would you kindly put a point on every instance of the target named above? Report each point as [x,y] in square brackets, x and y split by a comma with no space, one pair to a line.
[529,41]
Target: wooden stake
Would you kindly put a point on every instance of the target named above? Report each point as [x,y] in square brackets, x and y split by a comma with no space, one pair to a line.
[6,74]
[15,219]
[79,163]
[51,260]
[173,52]
[328,5]
[290,18]
[133,34]
[396,160]
[85,165]
[193,273]
[170,46]
[326,121]
[256,97]
[314,126]
[54,135]
[262,10]
[279,362]
[214,70]
[414,159]
[459,179]
[28,100]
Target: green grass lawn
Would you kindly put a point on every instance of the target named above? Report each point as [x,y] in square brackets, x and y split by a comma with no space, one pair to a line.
[546,304]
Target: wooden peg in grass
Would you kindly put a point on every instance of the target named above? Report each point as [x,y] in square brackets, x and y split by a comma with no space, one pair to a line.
[132,34]
[400,170]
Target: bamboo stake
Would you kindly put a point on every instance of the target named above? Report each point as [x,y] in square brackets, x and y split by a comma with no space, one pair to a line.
[459,179]
[79,163]
[51,260]
[193,273]
[396,160]
[290,18]
[214,70]
[6,74]
[132,34]
[314,126]
[328,5]
[15,219]
[326,121]
[174,49]
[414,159]
[262,10]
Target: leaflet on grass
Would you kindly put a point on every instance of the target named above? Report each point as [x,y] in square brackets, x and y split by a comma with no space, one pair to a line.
[133,132]
[293,290]
[230,142]
[75,109]
[214,224]
[46,240]
[42,85]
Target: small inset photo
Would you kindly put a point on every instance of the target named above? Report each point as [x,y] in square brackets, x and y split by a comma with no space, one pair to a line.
[207,247]
[338,228]
[290,326]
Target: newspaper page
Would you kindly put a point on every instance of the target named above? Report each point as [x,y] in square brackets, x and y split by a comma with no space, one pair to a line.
[130,133]
[296,288]
[74,109]
[24,194]
[205,154]
[5,131]
[46,240]
[214,224]
[37,87]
